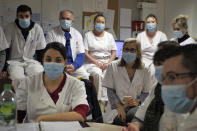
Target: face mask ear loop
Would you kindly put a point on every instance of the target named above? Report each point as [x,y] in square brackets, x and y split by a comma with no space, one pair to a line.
[191,83]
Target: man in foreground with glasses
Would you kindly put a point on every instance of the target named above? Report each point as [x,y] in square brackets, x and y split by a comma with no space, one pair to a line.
[179,87]
[25,38]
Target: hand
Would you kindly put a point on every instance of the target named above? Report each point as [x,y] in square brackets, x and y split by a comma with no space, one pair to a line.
[132,102]
[100,65]
[70,69]
[134,126]
[105,65]
[121,112]
[3,74]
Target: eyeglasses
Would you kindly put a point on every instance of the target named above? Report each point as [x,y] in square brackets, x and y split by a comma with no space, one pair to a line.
[129,50]
[172,76]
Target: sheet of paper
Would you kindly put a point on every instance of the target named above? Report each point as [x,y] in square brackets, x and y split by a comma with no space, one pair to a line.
[36,17]
[89,5]
[125,33]
[27,127]
[109,15]
[60,126]
[125,17]
[48,25]
[111,30]
[101,5]
[9,15]
[89,22]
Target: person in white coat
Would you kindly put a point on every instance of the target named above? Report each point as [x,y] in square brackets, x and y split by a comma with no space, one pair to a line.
[149,113]
[179,87]
[149,39]
[52,95]
[73,41]
[127,78]
[100,51]
[180,27]
[3,47]
[25,38]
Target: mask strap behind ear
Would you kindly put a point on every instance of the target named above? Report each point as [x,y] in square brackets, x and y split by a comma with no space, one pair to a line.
[191,83]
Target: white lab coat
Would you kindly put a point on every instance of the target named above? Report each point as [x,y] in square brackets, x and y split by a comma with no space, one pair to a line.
[3,46]
[190,40]
[117,78]
[21,49]
[100,49]
[149,49]
[32,96]
[141,111]
[76,43]
[171,121]
[3,42]
[21,60]
[189,123]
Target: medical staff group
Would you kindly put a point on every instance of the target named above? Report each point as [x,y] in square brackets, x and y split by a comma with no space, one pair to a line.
[152,87]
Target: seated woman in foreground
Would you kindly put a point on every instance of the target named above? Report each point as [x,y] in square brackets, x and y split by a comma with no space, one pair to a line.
[52,95]
[127,82]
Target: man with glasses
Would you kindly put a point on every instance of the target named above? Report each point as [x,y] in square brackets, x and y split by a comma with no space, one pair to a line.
[25,38]
[179,87]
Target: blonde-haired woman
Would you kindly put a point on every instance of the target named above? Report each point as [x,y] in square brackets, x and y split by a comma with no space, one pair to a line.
[180,27]
[127,82]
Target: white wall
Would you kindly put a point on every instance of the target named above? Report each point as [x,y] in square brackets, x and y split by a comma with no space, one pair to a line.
[131,4]
[48,9]
[176,7]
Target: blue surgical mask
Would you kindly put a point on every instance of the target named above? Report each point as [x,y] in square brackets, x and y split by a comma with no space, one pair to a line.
[178,34]
[65,24]
[100,27]
[158,73]
[129,57]
[151,27]
[24,23]
[175,98]
[53,70]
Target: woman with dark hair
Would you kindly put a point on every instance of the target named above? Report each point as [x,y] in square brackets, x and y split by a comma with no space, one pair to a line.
[52,95]
[148,115]
[100,51]
[127,82]
[149,39]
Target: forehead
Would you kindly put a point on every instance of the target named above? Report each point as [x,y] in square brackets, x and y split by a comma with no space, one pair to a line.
[130,45]
[100,18]
[67,14]
[53,53]
[176,26]
[24,13]
[174,64]
[150,19]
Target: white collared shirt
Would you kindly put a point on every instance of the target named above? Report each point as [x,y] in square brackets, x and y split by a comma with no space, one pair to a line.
[33,97]
[21,49]
[99,47]
[117,78]
[189,40]
[76,40]
[148,49]
[3,42]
